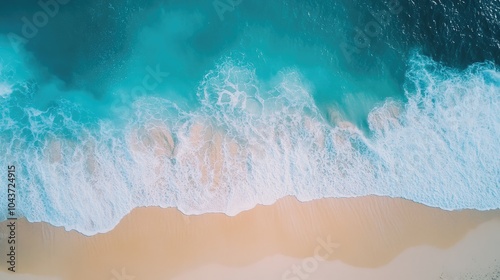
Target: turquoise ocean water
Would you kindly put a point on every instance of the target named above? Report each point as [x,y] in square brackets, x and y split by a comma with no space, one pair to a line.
[306,98]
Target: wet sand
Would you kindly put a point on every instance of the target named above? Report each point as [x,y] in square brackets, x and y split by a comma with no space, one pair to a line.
[475,257]
[153,243]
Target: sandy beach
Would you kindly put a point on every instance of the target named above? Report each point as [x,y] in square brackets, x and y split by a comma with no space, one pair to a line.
[352,237]
[474,257]
[249,140]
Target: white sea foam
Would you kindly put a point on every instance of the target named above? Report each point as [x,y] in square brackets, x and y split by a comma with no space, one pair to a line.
[5,86]
[5,90]
[252,142]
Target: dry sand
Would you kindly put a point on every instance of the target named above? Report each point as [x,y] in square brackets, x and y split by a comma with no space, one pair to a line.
[476,257]
[155,243]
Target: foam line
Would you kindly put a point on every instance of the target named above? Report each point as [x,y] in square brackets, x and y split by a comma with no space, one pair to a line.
[253,142]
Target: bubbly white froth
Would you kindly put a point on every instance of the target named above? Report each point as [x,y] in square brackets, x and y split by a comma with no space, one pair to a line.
[252,143]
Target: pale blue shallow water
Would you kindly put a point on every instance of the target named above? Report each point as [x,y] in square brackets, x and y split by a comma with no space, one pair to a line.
[406,108]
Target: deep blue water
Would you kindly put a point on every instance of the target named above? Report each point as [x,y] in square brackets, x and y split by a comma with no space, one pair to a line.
[322,99]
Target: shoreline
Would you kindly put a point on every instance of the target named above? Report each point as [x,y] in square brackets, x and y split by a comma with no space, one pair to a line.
[229,215]
[157,243]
